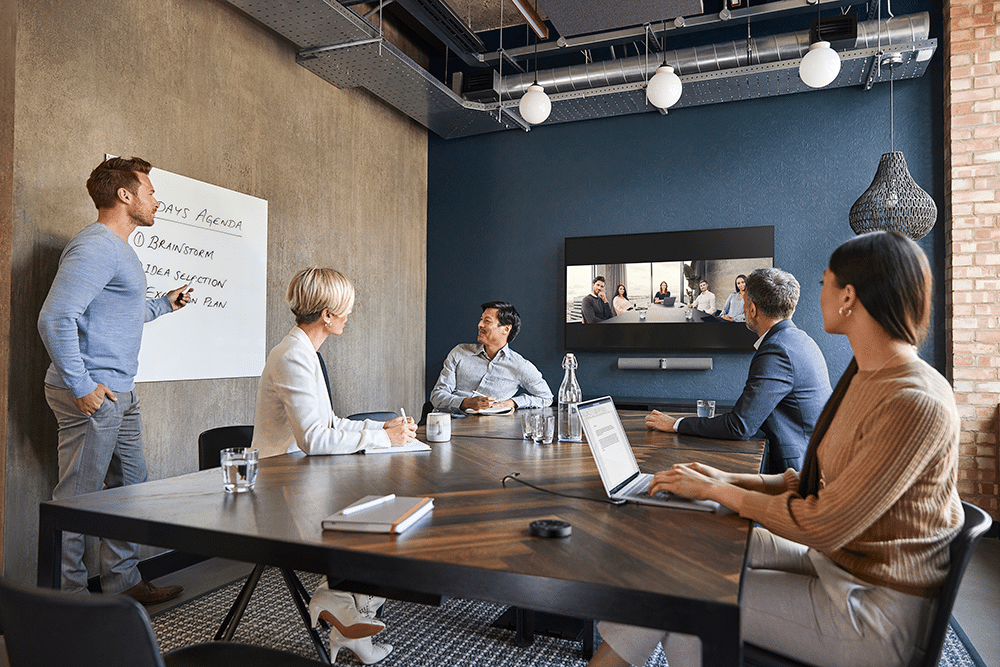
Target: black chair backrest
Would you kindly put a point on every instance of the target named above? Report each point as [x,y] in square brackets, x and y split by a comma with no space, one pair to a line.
[977,522]
[45,627]
[214,440]
[427,408]
[375,416]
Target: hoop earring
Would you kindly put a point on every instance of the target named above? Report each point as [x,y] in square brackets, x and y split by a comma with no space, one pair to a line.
[842,314]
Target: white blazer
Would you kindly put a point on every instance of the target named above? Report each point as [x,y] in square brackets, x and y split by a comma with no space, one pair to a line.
[293,407]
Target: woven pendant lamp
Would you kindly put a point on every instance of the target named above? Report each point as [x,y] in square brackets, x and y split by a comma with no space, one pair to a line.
[894,201]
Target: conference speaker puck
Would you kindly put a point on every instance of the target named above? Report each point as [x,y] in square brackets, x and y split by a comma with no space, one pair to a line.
[550,528]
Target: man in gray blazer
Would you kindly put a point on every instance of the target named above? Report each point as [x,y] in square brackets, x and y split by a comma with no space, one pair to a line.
[788,384]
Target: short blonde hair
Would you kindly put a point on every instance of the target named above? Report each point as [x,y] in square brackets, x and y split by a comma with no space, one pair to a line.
[313,289]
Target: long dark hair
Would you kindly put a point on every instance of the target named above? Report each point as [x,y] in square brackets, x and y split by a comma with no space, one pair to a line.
[624,293]
[737,283]
[892,278]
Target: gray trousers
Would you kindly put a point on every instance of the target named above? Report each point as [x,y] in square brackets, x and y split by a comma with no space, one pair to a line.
[798,603]
[97,452]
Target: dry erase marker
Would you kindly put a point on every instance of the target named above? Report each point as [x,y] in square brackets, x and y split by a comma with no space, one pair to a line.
[371,503]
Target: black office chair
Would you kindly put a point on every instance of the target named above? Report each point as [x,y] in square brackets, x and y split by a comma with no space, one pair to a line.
[375,416]
[45,627]
[977,522]
[427,408]
[210,444]
[214,440]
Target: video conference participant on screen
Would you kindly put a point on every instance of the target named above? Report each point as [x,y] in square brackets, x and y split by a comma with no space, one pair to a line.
[663,294]
[787,385]
[488,374]
[621,301]
[595,307]
[733,310]
[705,301]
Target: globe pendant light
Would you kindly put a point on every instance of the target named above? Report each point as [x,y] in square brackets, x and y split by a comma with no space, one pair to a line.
[893,202]
[820,66]
[535,105]
[664,89]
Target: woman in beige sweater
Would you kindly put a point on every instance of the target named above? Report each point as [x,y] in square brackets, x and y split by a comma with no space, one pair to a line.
[854,548]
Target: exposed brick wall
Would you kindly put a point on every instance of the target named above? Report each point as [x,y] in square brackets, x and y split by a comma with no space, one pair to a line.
[972,218]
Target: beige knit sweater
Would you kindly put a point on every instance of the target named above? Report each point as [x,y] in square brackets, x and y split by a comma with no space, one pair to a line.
[887,506]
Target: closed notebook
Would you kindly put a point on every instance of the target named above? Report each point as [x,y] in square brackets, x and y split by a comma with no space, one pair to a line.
[393,516]
[495,410]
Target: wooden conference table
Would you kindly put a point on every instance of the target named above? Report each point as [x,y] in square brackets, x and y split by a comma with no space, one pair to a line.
[658,313]
[657,567]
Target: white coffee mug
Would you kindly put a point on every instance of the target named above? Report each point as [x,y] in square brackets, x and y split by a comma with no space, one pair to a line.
[438,427]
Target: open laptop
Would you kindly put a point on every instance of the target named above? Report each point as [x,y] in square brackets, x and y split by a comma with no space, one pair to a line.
[616,463]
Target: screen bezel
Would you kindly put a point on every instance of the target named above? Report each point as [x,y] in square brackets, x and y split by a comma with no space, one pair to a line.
[705,244]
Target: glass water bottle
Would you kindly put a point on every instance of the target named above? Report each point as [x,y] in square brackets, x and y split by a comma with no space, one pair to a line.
[569,396]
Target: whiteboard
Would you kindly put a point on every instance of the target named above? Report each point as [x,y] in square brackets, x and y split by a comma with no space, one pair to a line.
[214,240]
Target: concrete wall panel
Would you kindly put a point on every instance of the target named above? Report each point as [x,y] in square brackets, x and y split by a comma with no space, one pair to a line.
[199,89]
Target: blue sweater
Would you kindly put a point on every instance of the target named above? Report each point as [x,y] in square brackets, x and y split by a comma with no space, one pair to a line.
[91,321]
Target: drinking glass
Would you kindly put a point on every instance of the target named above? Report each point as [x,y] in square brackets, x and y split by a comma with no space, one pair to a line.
[545,427]
[529,423]
[239,469]
[706,408]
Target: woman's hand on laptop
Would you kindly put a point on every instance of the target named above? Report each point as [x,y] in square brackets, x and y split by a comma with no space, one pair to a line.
[700,482]
[691,480]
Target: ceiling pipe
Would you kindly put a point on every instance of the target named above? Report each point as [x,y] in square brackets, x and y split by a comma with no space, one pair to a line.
[709,58]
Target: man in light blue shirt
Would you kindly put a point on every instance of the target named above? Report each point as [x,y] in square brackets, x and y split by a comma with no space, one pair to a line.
[488,374]
[91,324]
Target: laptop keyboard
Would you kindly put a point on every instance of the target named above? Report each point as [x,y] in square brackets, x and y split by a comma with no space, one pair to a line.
[642,491]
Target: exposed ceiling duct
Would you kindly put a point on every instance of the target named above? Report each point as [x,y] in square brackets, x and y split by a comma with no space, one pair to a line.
[348,51]
[710,58]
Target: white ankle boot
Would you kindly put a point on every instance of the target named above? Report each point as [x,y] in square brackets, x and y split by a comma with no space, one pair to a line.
[366,651]
[368,605]
[338,609]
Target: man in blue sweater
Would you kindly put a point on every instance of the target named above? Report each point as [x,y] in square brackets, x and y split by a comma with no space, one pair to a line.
[787,386]
[91,324]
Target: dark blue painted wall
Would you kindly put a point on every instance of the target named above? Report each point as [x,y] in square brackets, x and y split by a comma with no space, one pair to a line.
[500,205]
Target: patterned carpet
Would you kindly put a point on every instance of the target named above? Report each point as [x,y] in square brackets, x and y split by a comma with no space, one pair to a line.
[458,633]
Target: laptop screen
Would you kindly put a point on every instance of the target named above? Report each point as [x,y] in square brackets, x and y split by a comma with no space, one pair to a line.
[606,436]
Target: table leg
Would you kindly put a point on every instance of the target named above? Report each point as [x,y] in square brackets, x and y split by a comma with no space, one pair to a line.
[49,550]
[294,587]
[723,645]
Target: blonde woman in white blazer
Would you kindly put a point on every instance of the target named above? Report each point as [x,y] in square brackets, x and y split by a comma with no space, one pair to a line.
[294,414]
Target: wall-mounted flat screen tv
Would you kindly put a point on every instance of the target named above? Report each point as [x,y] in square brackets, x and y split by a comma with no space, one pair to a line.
[665,281]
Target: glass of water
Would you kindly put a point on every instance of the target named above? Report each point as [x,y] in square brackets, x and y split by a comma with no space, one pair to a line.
[239,469]
[706,408]
[529,424]
[545,428]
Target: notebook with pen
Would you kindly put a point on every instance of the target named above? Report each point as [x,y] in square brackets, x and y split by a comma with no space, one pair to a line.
[616,462]
[380,514]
